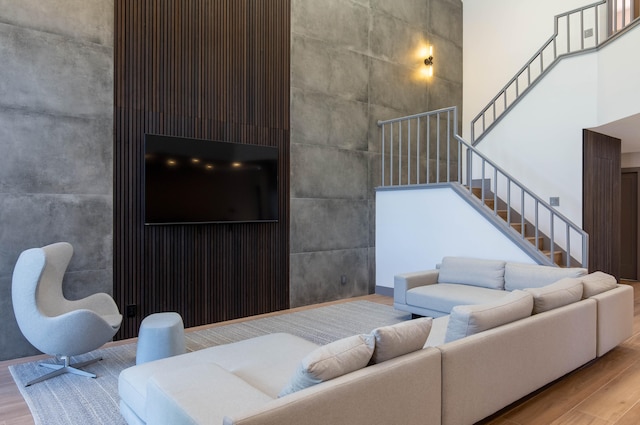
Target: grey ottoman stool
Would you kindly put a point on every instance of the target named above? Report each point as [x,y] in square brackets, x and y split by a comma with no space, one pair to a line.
[161,335]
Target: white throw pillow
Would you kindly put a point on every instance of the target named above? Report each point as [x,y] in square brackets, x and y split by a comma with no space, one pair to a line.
[330,361]
[400,339]
[596,283]
[558,294]
[522,276]
[467,320]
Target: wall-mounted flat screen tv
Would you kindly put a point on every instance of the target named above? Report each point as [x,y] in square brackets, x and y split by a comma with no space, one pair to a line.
[204,181]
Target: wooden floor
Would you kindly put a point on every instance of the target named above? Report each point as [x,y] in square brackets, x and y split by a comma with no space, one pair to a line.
[605,392]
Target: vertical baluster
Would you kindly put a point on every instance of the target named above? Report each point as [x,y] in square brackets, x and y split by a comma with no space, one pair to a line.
[482,180]
[597,25]
[536,224]
[437,149]
[495,190]
[582,29]
[383,146]
[400,153]
[522,212]
[428,147]
[568,34]
[391,156]
[408,151]
[568,236]
[418,151]
[551,238]
[508,201]
[448,146]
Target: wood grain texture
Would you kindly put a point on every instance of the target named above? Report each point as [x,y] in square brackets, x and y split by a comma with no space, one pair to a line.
[216,70]
[601,200]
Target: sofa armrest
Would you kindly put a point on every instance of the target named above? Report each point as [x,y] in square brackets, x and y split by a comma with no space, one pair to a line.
[615,317]
[406,281]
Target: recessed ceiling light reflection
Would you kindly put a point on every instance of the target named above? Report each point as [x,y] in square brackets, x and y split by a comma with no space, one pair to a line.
[209,167]
[195,160]
[236,164]
[171,162]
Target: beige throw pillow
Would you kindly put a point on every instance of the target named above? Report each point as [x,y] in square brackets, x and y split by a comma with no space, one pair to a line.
[596,283]
[558,294]
[330,361]
[467,320]
[399,339]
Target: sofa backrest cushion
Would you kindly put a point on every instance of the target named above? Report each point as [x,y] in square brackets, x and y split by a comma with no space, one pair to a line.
[330,361]
[596,283]
[558,294]
[472,271]
[400,339]
[521,276]
[467,320]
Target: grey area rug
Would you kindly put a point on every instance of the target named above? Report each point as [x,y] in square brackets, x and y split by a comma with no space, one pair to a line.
[74,400]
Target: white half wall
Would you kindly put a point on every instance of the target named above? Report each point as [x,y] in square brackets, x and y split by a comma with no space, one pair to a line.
[416,227]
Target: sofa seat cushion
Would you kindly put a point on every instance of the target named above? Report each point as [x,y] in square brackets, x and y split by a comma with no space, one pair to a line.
[199,394]
[522,276]
[558,294]
[266,362]
[444,296]
[472,271]
[467,320]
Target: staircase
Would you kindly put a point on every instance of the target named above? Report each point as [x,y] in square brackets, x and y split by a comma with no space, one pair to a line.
[424,149]
[540,242]
[577,31]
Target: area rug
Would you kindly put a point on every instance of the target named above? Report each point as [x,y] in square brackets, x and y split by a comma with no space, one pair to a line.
[74,400]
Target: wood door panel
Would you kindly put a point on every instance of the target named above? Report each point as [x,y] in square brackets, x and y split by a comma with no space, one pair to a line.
[629,225]
[601,201]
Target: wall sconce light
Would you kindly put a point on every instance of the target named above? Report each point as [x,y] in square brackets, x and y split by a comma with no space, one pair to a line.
[428,62]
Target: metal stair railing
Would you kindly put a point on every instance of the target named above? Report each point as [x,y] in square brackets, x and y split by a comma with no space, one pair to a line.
[426,149]
[578,31]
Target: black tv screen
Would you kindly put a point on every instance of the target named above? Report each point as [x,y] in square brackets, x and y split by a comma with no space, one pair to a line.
[205,181]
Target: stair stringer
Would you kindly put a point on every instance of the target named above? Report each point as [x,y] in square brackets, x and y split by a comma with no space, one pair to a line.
[498,223]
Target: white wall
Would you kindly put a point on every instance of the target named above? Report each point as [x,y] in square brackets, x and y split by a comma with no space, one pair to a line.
[631,160]
[499,37]
[539,141]
[619,78]
[415,228]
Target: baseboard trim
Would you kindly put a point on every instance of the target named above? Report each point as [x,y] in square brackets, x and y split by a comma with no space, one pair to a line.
[384,290]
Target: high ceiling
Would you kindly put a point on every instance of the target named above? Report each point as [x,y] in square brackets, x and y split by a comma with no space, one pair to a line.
[625,129]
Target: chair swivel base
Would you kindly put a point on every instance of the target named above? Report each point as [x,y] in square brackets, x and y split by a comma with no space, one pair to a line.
[60,369]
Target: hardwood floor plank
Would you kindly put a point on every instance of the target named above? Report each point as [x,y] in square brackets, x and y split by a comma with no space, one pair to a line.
[616,398]
[567,393]
[578,418]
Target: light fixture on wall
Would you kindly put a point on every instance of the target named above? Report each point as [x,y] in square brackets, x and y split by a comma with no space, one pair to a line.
[428,63]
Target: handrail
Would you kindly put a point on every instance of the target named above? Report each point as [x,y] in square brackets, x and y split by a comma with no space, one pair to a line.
[539,203]
[431,137]
[529,74]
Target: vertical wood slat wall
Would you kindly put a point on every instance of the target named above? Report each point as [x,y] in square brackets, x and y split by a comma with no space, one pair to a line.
[214,70]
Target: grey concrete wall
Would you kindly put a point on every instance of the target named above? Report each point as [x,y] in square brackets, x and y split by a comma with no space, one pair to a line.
[354,62]
[56,141]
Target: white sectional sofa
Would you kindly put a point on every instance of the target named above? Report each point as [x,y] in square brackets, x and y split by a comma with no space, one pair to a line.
[459,280]
[475,361]
[240,383]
